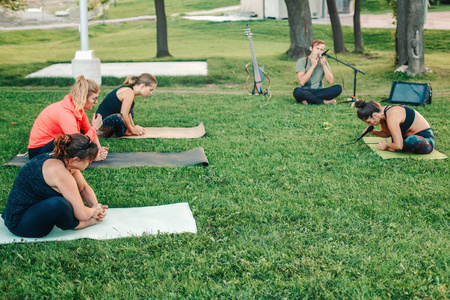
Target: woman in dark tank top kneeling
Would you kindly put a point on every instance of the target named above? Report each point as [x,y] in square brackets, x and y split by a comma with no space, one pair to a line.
[50,190]
[409,130]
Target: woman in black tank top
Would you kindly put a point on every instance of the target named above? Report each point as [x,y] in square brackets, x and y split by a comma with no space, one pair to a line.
[49,191]
[408,129]
[117,107]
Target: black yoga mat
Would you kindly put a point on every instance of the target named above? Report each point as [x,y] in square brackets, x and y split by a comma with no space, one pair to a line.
[192,157]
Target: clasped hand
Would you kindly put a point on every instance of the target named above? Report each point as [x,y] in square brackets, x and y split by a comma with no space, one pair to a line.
[102,154]
[100,212]
[138,130]
[383,146]
[316,59]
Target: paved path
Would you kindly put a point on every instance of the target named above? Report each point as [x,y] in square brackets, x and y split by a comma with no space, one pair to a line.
[174,68]
[61,24]
[435,20]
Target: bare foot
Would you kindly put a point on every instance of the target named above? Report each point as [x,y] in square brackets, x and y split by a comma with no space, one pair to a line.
[333,102]
[305,102]
[86,223]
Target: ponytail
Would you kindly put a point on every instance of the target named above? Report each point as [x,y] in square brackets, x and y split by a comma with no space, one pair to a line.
[82,89]
[144,78]
[367,109]
[74,145]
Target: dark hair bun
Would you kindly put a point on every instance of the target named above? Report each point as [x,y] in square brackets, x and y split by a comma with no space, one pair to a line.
[75,145]
[360,103]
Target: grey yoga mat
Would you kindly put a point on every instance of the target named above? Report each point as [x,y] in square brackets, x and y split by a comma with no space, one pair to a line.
[121,223]
[192,157]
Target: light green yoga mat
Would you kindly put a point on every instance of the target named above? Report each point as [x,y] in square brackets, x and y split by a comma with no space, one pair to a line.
[372,142]
[121,223]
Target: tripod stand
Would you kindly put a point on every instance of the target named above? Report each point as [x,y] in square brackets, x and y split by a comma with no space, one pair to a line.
[355,72]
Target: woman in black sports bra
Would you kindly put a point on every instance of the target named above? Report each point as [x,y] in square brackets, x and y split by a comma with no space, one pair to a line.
[116,109]
[409,130]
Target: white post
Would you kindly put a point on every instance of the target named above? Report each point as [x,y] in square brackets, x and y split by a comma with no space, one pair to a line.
[85,63]
[324,15]
[84,29]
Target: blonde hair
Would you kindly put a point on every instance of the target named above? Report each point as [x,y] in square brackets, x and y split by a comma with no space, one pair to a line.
[82,89]
[144,78]
[75,145]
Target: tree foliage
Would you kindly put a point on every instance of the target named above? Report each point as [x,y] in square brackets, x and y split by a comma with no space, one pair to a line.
[13,5]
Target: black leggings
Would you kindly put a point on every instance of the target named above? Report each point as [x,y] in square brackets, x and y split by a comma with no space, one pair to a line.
[316,96]
[32,153]
[113,125]
[39,219]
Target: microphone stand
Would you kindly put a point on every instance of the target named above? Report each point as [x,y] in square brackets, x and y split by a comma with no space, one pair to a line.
[369,129]
[355,71]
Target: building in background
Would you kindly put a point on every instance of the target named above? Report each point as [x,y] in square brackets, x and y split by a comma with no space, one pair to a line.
[276,9]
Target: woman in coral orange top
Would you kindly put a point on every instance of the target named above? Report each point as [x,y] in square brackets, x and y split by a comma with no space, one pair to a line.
[67,117]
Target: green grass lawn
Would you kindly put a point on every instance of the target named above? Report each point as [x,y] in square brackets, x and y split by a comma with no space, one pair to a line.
[282,210]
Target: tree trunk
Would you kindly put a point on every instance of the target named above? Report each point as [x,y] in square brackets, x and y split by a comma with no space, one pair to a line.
[410,40]
[357,34]
[338,35]
[400,36]
[300,28]
[104,13]
[161,30]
